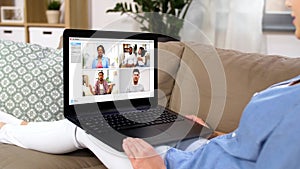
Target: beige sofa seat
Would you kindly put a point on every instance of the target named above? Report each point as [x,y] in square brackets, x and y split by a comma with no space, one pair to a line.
[13,157]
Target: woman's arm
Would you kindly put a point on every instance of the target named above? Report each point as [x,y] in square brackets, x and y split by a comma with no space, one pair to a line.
[142,155]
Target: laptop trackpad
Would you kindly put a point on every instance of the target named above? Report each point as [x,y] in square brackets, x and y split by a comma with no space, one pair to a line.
[143,132]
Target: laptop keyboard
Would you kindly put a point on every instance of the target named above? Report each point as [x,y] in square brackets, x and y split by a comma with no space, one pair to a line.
[129,120]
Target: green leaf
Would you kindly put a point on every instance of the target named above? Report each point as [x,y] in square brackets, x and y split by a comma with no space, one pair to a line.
[54,5]
[150,14]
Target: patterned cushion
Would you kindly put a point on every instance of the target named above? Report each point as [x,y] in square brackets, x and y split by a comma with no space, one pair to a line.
[31,81]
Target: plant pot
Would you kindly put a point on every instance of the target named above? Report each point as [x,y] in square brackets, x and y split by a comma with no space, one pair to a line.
[53,16]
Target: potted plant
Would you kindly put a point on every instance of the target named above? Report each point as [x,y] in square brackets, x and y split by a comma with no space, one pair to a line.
[53,12]
[158,16]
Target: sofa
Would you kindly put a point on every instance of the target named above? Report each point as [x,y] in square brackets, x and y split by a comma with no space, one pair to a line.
[215,84]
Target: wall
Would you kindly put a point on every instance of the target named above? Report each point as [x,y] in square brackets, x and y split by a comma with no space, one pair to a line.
[109,21]
[99,17]
[278,43]
[282,43]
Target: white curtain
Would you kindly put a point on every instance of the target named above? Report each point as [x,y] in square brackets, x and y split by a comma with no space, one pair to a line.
[229,24]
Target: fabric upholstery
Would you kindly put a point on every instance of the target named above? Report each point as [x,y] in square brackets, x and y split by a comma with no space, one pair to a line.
[246,73]
[13,157]
[192,91]
[169,56]
[31,86]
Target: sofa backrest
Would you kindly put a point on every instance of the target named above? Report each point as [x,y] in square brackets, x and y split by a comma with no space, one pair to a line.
[245,73]
[248,73]
[169,58]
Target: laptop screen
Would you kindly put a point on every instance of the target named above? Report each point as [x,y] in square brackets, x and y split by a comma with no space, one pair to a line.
[103,69]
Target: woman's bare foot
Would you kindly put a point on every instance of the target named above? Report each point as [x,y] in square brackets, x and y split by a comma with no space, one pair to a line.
[2,124]
[24,123]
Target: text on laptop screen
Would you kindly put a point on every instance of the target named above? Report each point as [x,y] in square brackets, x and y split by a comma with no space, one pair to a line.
[102,69]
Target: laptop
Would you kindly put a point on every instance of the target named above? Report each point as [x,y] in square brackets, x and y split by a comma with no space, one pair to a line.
[110,89]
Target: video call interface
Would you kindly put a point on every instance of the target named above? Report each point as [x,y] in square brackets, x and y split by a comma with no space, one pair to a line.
[102,70]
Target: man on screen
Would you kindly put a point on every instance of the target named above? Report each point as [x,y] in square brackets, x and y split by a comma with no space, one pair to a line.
[135,86]
[101,86]
[130,59]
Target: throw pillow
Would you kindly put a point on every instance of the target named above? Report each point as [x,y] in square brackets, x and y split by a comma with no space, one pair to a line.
[31,81]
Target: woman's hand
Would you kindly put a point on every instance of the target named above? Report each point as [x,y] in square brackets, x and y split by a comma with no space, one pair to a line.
[142,155]
[197,120]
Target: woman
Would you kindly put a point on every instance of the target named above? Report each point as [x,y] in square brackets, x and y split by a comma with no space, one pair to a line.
[101,61]
[267,136]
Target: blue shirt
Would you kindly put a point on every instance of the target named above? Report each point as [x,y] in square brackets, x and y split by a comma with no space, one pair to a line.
[267,136]
[105,62]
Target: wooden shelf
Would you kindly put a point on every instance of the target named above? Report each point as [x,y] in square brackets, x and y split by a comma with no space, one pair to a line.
[75,15]
[11,24]
[59,25]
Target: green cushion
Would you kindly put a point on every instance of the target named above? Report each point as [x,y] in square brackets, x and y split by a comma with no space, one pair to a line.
[31,81]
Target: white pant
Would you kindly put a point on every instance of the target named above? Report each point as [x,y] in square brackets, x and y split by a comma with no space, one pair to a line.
[63,136]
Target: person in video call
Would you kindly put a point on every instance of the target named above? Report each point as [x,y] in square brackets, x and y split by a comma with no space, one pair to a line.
[101,86]
[266,138]
[130,58]
[142,58]
[101,61]
[135,86]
